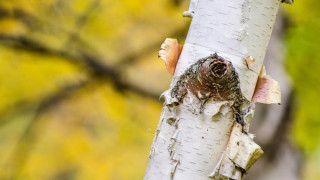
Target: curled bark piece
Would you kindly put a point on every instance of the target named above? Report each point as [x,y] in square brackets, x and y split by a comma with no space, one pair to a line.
[247,118]
[242,150]
[267,91]
[170,52]
[226,170]
[241,153]
[168,100]
[249,61]
[174,151]
[217,112]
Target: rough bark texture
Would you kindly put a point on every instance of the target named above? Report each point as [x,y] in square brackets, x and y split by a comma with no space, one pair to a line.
[190,144]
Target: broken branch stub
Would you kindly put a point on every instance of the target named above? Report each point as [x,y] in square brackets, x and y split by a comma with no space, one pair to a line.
[191,10]
[212,78]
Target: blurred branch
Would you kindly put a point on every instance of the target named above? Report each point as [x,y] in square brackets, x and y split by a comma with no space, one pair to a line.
[80,22]
[179,33]
[29,136]
[26,18]
[177,2]
[35,24]
[97,71]
[92,64]
[94,67]
[24,106]
[27,139]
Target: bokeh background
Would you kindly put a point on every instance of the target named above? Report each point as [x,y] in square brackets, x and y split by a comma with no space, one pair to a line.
[80,81]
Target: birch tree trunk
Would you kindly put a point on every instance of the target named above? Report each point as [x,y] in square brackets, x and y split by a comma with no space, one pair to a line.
[189,144]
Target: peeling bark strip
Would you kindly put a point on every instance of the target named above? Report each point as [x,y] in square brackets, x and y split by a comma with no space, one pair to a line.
[174,151]
[267,91]
[169,52]
[197,136]
[241,153]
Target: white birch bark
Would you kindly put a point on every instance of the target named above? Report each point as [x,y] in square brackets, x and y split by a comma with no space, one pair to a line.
[192,145]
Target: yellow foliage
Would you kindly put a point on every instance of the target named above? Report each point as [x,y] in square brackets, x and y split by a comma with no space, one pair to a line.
[100,130]
[105,140]
[12,27]
[27,76]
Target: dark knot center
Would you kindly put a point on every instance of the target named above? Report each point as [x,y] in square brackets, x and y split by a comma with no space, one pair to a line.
[219,69]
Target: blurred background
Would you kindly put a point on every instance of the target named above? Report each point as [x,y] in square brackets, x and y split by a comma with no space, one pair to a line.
[80,81]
